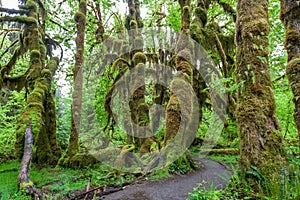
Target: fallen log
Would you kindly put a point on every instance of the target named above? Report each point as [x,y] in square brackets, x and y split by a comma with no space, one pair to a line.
[24,182]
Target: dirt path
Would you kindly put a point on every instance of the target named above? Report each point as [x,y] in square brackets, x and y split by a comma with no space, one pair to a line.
[177,187]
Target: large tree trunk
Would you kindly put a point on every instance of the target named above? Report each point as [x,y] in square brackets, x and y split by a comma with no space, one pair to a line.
[39,80]
[73,147]
[260,139]
[290,15]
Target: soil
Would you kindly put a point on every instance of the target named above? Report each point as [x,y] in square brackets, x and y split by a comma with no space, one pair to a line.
[178,187]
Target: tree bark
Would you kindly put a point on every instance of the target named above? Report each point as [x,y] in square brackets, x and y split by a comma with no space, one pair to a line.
[73,147]
[261,143]
[290,16]
[24,182]
[38,81]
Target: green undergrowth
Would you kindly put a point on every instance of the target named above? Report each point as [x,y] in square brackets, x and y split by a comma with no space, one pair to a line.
[286,189]
[226,159]
[58,182]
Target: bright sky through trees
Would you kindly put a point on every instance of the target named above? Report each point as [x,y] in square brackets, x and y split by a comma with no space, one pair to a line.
[10,3]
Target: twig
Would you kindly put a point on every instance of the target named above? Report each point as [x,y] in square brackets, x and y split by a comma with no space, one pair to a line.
[10,46]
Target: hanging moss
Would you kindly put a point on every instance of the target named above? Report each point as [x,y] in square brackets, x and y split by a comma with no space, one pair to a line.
[139,58]
[133,25]
[20,19]
[79,17]
[201,14]
[172,118]
[32,6]
[82,5]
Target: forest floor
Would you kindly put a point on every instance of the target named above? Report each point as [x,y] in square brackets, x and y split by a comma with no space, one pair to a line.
[65,184]
[210,174]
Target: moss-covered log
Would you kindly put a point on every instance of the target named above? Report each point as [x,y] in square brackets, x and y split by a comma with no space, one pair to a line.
[290,15]
[261,143]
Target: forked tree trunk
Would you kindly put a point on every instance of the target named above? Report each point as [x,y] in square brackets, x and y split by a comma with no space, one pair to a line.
[261,145]
[290,16]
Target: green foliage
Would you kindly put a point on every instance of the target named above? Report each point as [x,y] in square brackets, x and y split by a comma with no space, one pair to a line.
[287,188]
[228,159]
[58,182]
[63,118]
[11,105]
[182,165]
[202,194]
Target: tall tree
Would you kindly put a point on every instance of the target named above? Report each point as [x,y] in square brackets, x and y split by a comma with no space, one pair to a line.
[290,16]
[261,145]
[40,109]
[73,147]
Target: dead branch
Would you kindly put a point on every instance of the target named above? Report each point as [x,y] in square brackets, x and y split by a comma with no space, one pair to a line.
[24,172]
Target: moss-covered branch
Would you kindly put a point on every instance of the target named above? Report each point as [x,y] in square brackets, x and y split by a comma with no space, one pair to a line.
[20,19]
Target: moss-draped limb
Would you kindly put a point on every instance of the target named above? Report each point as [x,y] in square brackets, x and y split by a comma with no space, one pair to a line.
[73,146]
[34,110]
[133,20]
[261,144]
[14,83]
[20,19]
[290,12]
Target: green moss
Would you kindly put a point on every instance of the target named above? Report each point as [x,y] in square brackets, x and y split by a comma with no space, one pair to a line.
[32,6]
[139,58]
[20,19]
[46,73]
[35,54]
[25,185]
[133,24]
[82,5]
[79,17]
[201,14]
[186,11]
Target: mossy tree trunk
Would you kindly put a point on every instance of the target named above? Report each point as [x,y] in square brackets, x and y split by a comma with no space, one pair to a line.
[73,146]
[261,145]
[38,81]
[178,110]
[290,15]
[138,108]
